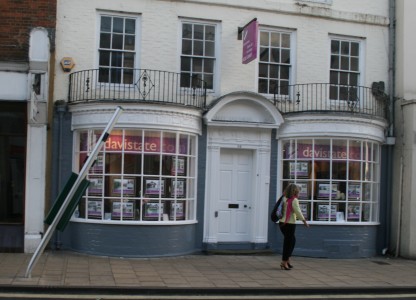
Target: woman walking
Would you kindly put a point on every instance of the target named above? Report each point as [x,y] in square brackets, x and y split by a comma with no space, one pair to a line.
[287,224]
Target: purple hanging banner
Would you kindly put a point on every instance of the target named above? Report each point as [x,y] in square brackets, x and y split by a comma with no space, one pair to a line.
[250,38]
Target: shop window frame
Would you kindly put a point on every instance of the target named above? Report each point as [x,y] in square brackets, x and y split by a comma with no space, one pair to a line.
[356,205]
[179,206]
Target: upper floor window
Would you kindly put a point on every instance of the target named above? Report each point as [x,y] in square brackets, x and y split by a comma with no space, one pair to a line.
[198,55]
[344,69]
[275,62]
[117,48]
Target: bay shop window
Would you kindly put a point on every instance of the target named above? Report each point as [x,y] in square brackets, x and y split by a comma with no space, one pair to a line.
[139,176]
[338,178]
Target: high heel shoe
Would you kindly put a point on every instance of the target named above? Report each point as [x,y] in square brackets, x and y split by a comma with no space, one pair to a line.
[290,266]
[283,267]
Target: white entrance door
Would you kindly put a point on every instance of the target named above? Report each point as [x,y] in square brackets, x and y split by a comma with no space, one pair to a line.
[234,205]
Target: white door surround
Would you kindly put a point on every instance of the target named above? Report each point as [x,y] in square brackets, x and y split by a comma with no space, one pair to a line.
[239,121]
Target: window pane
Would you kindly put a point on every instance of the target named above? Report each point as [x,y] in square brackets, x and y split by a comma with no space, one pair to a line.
[343,79]
[209,49]
[264,38]
[353,79]
[275,55]
[118,25]
[197,65]
[274,71]
[354,64]
[103,75]
[186,47]
[198,32]
[209,80]
[334,77]
[355,49]
[285,56]
[185,64]
[198,48]
[185,80]
[187,31]
[129,60]
[210,33]
[284,72]
[115,76]
[285,40]
[129,42]
[128,76]
[264,54]
[345,48]
[335,47]
[105,40]
[117,41]
[116,59]
[334,62]
[263,70]
[130,26]
[104,58]
[105,24]
[274,39]
[209,66]
[345,63]
[273,84]
[263,87]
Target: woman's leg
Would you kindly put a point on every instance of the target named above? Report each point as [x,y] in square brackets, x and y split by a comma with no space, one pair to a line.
[288,231]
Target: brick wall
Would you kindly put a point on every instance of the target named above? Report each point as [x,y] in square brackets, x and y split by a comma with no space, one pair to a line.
[17,18]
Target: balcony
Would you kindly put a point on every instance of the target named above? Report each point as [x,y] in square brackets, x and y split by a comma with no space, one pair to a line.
[136,85]
[325,97]
[153,86]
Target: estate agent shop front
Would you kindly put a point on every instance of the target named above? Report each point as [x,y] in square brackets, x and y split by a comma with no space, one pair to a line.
[174,180]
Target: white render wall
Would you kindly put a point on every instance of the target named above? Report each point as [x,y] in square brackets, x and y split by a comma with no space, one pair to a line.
[404,162]
[159,35]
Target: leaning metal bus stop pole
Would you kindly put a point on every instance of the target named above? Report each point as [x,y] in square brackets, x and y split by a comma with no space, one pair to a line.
[81,176]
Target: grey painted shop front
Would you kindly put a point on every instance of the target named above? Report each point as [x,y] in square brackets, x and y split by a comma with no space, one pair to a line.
[173,181]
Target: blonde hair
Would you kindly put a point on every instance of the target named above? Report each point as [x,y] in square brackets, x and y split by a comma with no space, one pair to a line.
[292,190]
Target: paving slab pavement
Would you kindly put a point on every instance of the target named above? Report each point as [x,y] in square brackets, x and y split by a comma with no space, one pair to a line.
[208,274]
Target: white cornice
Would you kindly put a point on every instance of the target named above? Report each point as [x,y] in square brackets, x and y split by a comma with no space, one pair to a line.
[161,117]
[333,125]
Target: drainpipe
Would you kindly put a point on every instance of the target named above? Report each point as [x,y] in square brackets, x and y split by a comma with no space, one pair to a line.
[61,108]
[390,132]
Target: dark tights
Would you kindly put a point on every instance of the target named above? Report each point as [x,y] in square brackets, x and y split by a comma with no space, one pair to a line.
[289,239]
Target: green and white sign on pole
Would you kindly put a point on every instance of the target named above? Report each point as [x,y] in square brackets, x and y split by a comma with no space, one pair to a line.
[68,199]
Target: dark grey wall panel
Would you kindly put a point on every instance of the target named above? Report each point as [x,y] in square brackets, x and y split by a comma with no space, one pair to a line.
[336,241]
[131,240]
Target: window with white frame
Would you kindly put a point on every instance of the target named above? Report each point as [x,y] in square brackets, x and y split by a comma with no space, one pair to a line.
[338,178]
[344,69]
[275,63]
[117,49]
[139,176]
[198,54]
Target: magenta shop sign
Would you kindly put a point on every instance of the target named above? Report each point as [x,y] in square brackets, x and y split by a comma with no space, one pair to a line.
[150,144]
[307,151]
[136,143]
[250,38]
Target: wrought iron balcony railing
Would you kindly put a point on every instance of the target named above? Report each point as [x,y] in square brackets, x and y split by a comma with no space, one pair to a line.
[320,97]
[136,85]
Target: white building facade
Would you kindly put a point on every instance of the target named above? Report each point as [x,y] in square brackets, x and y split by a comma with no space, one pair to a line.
[206,143]
[403,241]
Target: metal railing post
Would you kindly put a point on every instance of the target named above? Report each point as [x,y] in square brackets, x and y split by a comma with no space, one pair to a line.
[81,176]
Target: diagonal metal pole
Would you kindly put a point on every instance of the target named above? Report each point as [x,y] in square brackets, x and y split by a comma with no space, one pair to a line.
[82,174]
